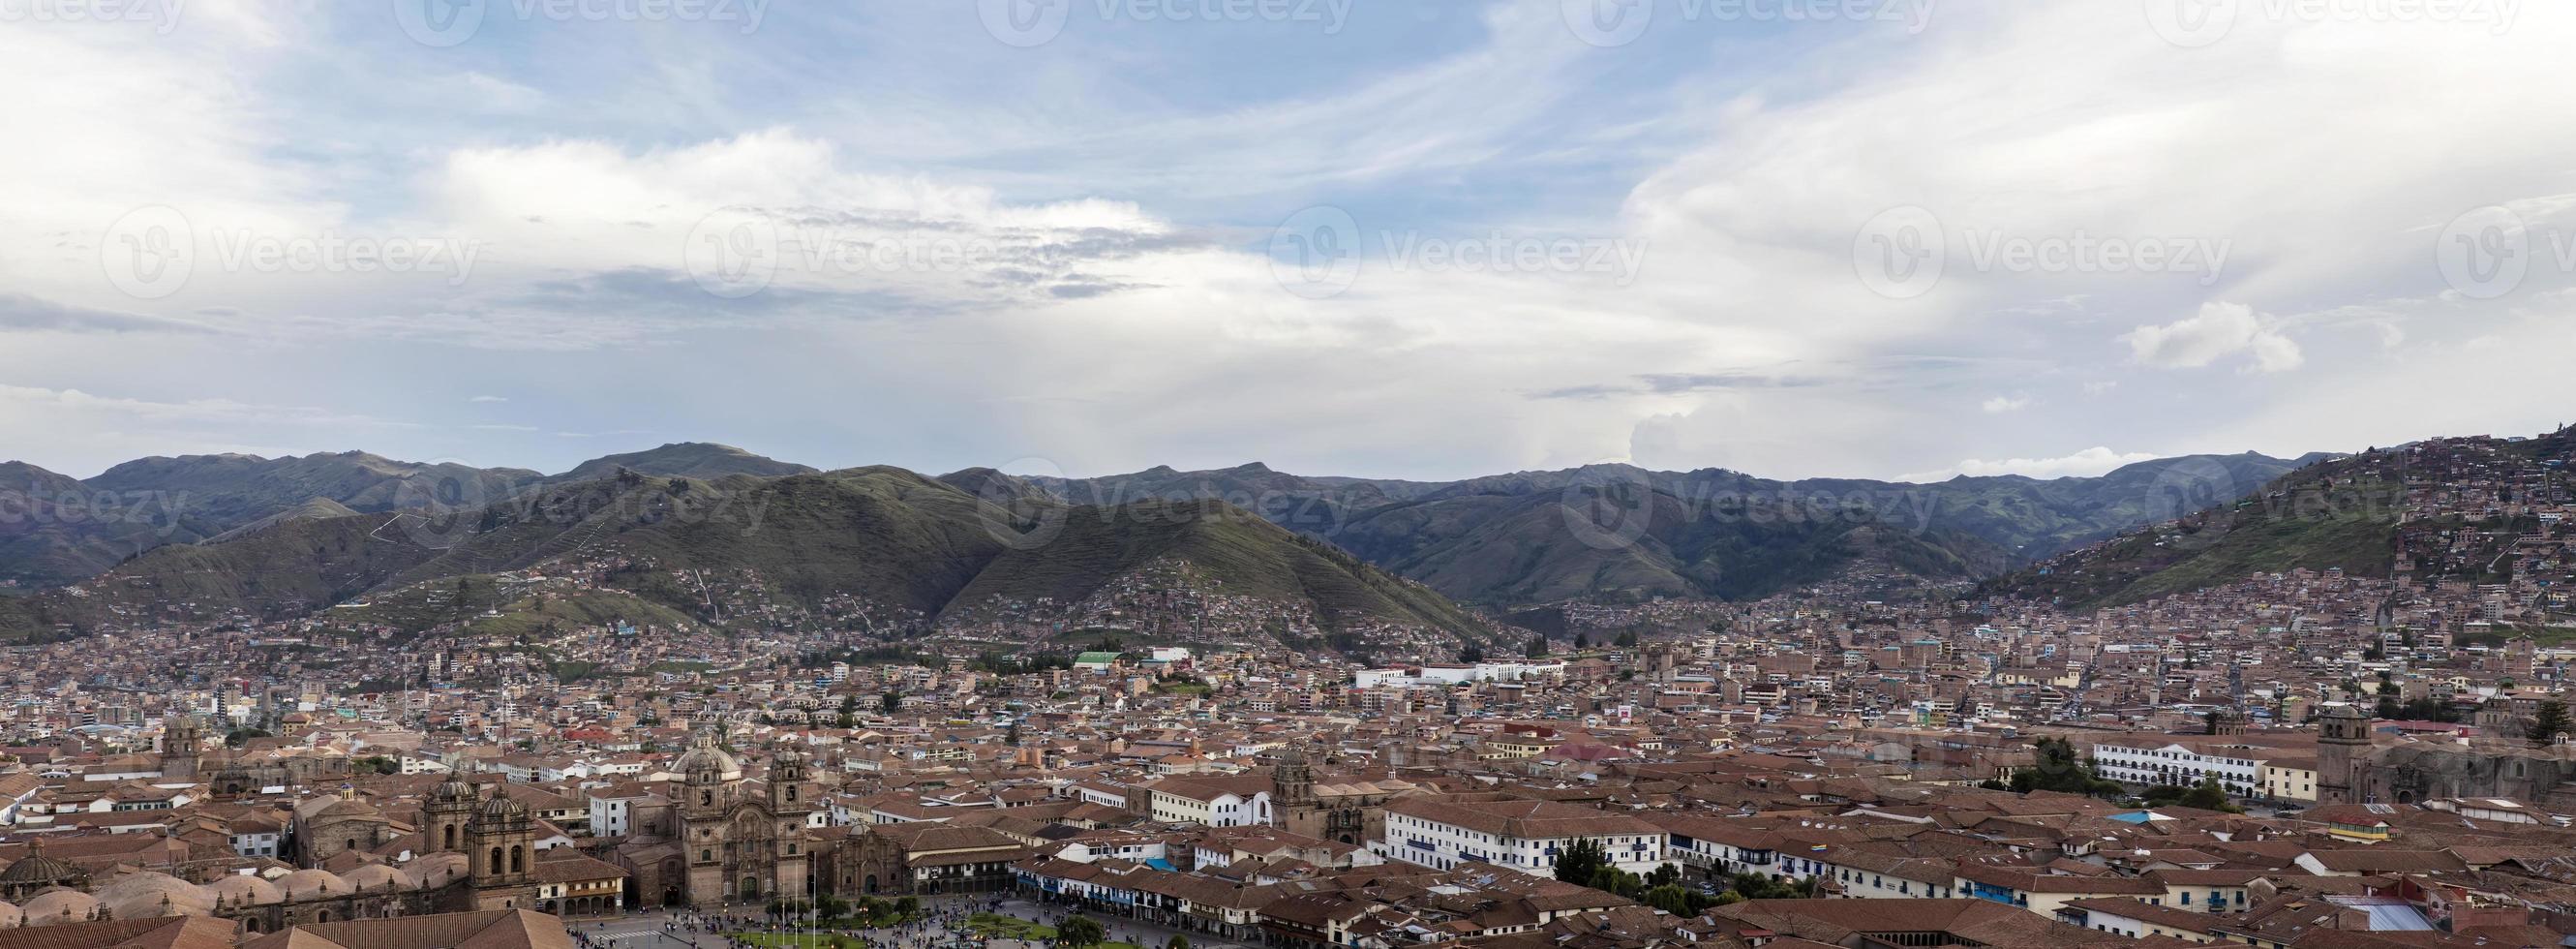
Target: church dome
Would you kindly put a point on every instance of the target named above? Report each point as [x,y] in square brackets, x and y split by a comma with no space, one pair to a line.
[240,890]
[377,876]
[36,869]
[313,884]
[704,756]
[500,805]
[148,895]
[60,905]
[11,917]
[452,789]
[436,870]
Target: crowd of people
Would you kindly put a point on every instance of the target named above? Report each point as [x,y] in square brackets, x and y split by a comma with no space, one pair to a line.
[934,926]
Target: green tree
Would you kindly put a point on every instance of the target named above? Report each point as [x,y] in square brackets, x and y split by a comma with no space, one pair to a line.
[2550,719]
[1580,860]
[1177,941]
[1080,932]
[890,702]
[2208,796]
[1675,899]
[1614,880]
[2055,766]
[1537,648]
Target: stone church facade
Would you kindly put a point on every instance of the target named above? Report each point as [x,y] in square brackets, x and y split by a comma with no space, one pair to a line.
[727,841]
[2352,769]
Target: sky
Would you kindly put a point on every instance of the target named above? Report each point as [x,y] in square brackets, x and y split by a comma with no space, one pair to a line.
[1863,238]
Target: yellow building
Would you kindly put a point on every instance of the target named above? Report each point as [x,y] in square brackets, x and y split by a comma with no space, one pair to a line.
[2289,779]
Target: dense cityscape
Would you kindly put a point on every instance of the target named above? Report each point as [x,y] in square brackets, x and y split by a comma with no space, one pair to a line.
[2293,758]
[1287,474]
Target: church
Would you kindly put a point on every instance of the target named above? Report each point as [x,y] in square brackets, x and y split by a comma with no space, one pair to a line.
[727,840]
[1351,812]
[475,853]
[2353,769]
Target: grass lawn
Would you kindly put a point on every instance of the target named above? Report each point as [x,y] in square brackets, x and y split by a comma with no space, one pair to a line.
[1008,927]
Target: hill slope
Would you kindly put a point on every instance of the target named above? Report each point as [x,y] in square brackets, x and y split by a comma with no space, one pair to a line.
[2331,516]
[228,491]
[685,459]
[882,534]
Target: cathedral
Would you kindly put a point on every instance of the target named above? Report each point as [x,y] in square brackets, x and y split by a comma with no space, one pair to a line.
[1352,812]
[475,853]
[229,773]
[2353,769]
[727,840]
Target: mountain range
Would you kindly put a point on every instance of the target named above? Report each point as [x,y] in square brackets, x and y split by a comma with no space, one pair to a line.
[289,536]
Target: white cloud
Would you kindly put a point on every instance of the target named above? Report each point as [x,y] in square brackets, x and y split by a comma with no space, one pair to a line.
[2089,462]
[2217,331]
[2002,404]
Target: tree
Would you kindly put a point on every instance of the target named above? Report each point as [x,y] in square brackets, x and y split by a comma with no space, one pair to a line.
[2550,719]
[2056,767]
[1080,932]
[1665,875]
[1580,860]
[891,702]
[1537,648]
[1675,899]
[1582,641]
[1472,654]
[1618,881]
[2208,796]
[1177,941]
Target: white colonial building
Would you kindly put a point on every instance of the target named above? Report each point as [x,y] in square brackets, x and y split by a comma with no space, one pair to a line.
[1523,835]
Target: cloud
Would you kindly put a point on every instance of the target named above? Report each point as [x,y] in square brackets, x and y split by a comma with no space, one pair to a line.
[19,311]
[2219,330]
[487,399]
[2087,463]
[2002,404]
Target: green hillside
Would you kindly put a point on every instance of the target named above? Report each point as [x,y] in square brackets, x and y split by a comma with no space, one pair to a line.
[1228,550]
[881,533]
[2310,520]
[1543,548]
